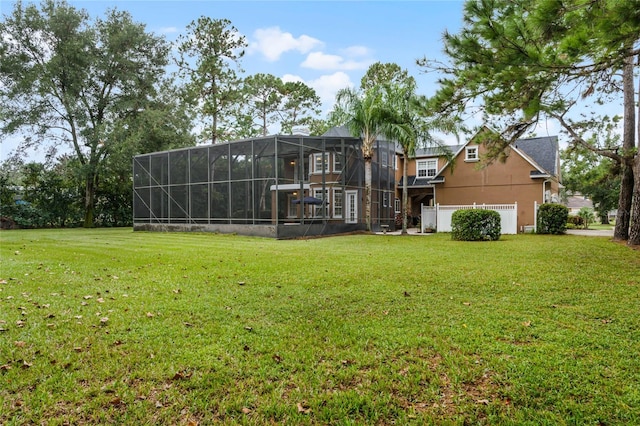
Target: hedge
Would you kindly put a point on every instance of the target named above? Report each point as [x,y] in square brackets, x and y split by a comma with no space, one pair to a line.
[475,225]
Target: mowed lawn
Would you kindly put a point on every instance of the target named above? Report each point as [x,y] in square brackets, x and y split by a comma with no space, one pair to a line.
[112,326]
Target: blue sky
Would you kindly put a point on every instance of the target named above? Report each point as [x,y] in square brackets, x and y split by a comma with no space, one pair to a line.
[326,44]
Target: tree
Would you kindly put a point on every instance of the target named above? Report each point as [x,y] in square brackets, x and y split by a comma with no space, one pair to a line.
[300,104]
[367,117]
[526,61]
[207,56]
[412,124]
[69,80]
[262,99]
[593,176]
[384,73]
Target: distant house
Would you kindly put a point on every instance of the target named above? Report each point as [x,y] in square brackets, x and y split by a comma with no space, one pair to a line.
[577,201]
[529,175]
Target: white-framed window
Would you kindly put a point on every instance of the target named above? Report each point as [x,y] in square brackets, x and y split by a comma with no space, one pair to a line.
[337,162]
[317,209]
[384,157]
[317,162]
[395,162]
[471,153]
[427,168]
[397,205]
[337,202]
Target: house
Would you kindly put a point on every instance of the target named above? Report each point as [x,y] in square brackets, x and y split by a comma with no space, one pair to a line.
[577,201]
[282,186]
[529,175]
[288,186]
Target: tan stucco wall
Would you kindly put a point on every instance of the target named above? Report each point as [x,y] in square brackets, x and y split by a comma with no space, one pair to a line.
[497,183]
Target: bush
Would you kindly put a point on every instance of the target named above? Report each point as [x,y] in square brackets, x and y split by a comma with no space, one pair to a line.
[587,216]
[552,218]
[475,225]
[576,221]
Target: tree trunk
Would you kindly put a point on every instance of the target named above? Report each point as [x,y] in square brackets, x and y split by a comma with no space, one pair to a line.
[621,231]
[404,193]
[367,191]
[89,196]
[634,229]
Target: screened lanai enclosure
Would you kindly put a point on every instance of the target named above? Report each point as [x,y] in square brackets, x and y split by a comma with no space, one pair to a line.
[276,186]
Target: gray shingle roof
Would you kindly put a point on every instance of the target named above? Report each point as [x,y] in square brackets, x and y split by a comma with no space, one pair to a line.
[543,150]
[338,131]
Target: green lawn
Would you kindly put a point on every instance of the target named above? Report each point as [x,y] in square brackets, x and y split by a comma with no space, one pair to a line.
[110,326]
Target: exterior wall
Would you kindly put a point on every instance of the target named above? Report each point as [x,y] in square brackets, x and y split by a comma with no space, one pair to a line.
[498,183]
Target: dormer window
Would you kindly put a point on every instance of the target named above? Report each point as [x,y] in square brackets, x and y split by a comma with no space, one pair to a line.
[471,153]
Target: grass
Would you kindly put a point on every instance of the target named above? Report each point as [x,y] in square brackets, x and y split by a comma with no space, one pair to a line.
[110,326]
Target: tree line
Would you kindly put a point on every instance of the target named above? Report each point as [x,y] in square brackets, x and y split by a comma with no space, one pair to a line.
[100,85]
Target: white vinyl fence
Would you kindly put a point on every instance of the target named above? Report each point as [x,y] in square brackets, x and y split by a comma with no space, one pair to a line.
[439,217]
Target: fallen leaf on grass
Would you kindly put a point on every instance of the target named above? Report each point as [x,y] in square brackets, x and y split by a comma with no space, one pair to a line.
[181,375]
[104,320]
[482,401]
[159,404]
[303,408]
[246,410]
[466,303]
[26,364]
[20,323]
[150,315]
[527,323]
[248,328]
[100,300]
[277,358]
[116,401]
[77,349]
[87,297]
[5,367]
[188,324]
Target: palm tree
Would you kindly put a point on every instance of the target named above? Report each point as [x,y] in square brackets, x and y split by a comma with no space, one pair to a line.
[414,124]
[367,116]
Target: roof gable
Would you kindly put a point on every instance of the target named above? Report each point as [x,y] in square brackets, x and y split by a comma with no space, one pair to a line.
[541,152]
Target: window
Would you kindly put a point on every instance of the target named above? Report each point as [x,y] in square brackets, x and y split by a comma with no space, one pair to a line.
[471,153]
[317,162]
[318,209]
[397,205]
[337,162]
[384,157]
[337,202]
[427,168]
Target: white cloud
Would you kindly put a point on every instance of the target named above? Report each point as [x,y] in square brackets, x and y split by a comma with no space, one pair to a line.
[273,42]
[355,51]
[326,86]
[326,62]
[168,30]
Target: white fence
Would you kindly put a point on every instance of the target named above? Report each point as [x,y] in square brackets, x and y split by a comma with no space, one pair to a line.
[439,217]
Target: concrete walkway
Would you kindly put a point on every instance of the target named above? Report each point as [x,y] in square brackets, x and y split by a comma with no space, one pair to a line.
[591,232]
[583,232]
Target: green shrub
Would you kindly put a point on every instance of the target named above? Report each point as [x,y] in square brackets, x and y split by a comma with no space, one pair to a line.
[576,221]
[587,216]
[475,225]
[552,218]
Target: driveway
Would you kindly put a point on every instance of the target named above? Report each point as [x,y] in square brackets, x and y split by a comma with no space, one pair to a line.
[591,232]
